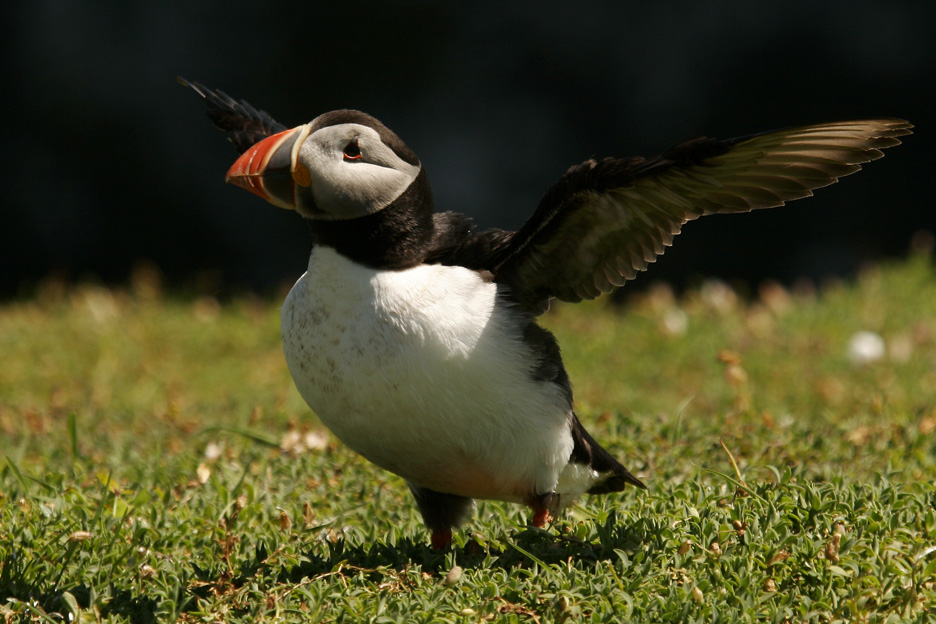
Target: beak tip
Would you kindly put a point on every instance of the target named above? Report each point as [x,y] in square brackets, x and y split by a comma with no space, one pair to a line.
[250,183]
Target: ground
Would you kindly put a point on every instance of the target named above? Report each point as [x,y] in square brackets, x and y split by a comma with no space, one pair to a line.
[157,465]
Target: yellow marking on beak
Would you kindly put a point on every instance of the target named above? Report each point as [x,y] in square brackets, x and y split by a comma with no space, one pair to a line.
[300,173]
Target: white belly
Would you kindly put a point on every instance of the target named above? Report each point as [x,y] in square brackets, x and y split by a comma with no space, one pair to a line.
[420,373]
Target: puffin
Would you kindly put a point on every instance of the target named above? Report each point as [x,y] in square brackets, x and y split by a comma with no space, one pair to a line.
[413,335]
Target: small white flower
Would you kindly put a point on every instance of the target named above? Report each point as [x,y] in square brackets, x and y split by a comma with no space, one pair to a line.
[865,347]
[719,295]
[675,322]
[203,472]
[213,451]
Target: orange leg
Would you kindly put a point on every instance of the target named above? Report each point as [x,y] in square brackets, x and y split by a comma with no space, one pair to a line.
[542,505]
[541,517]
[441,539]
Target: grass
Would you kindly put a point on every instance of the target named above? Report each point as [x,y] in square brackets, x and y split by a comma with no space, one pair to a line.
[157,465]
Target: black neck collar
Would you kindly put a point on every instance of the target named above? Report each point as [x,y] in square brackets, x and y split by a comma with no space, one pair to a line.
[396,237]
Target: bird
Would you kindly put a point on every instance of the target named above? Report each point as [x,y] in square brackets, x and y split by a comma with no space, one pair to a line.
[413,335]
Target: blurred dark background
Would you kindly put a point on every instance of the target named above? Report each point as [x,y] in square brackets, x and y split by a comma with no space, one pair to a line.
[108,162]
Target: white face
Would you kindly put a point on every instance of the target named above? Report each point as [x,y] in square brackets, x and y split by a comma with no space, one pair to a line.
[352,173]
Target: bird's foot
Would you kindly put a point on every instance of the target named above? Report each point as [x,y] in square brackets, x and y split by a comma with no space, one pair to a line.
[541,517]
[441,539]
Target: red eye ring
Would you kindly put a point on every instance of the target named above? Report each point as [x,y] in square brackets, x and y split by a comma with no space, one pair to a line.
[352,151]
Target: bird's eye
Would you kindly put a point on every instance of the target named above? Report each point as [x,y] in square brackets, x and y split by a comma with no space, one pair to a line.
[352,151]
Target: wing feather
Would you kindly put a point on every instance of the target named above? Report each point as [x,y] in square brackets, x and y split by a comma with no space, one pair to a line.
[244,124]
[606,220]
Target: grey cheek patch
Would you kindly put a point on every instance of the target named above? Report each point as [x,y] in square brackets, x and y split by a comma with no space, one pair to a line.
[347,189]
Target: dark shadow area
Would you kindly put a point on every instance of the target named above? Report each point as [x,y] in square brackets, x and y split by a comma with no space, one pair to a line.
[547,546]
[108,162]
[51,602]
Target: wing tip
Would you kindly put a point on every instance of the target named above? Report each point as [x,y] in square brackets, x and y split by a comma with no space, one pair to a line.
[195,86]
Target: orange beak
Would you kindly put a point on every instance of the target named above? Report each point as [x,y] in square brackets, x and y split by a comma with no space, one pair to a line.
[269,169]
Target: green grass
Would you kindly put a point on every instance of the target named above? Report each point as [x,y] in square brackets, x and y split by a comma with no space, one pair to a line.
[142,476]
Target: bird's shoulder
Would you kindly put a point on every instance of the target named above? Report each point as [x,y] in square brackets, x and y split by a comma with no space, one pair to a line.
[457,242]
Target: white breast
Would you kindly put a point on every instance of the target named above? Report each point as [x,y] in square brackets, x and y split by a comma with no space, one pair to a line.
[421,373]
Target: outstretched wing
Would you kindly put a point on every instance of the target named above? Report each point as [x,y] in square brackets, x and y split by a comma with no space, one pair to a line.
[605,220]
[244,124]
